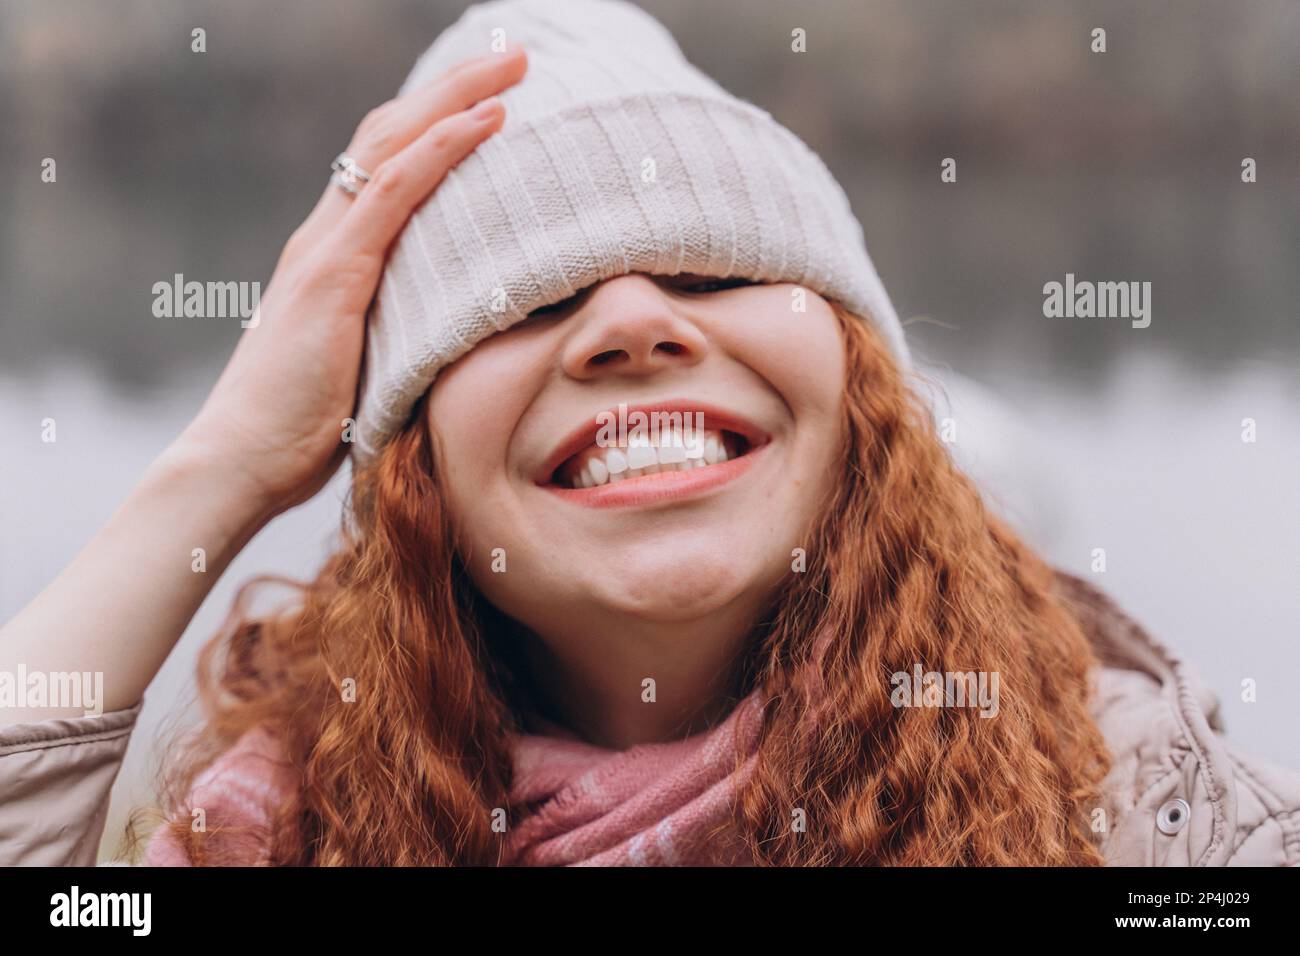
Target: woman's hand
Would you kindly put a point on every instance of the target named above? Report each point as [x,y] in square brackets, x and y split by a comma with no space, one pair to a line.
[275,419]
[270,434]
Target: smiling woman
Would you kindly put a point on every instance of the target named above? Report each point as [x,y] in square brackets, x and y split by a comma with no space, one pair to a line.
[543,641]
[684,546]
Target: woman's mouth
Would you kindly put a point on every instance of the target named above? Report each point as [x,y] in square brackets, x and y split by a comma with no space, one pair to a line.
[692,452]
[674,451]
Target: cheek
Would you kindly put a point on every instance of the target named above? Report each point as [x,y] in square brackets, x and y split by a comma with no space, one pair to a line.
[801,356]
[798,354]
[471,473]
[474,406]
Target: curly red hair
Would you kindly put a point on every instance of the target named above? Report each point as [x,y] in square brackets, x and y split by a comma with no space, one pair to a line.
[906,568]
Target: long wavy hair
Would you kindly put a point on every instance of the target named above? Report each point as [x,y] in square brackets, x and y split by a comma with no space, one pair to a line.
[906,567]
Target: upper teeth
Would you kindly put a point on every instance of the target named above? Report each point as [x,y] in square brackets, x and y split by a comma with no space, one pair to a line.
[674,452]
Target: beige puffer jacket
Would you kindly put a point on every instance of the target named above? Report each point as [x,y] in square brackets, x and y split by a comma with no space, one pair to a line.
[1178,793]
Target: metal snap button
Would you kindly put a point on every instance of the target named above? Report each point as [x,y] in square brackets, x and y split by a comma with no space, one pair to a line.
[1173,816]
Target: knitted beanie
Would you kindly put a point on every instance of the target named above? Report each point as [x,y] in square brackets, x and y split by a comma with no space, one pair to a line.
[616,156]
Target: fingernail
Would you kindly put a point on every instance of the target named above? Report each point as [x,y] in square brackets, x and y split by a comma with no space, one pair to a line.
[487,108]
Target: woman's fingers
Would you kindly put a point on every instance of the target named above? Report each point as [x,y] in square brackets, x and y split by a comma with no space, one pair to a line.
[392,126]
[403,182]
[396,124]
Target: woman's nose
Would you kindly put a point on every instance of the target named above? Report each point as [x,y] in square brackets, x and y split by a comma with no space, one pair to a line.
[628,326]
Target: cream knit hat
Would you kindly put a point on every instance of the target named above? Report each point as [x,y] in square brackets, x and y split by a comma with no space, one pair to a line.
[616,156]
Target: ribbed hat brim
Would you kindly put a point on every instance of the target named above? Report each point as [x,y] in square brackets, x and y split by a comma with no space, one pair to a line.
[661,181]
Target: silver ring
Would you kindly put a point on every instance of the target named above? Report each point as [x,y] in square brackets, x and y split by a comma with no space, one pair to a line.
[347,175]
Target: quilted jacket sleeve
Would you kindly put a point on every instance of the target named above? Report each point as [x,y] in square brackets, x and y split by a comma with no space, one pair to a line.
[55,779]
[56,776]
[1267,831]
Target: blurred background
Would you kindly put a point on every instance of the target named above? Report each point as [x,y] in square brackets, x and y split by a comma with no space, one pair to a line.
[1122,166]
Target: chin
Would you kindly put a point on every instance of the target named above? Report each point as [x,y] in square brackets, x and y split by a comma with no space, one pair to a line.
[673,583]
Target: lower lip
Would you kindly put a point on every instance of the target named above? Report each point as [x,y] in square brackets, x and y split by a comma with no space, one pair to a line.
[663,486]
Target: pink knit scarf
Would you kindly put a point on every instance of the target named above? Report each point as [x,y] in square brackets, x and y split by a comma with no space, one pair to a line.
[663,804]
[652,805]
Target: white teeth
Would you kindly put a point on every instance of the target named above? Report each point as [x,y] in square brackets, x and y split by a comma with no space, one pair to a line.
[640,457]
[711,445]
[672,452]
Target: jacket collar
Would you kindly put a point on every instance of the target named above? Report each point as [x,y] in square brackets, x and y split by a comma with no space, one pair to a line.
[1186,710]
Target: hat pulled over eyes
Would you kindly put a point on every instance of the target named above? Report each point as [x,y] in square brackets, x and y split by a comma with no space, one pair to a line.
[616,156]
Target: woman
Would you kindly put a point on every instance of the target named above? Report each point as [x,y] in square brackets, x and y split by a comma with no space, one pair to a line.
[652,555]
